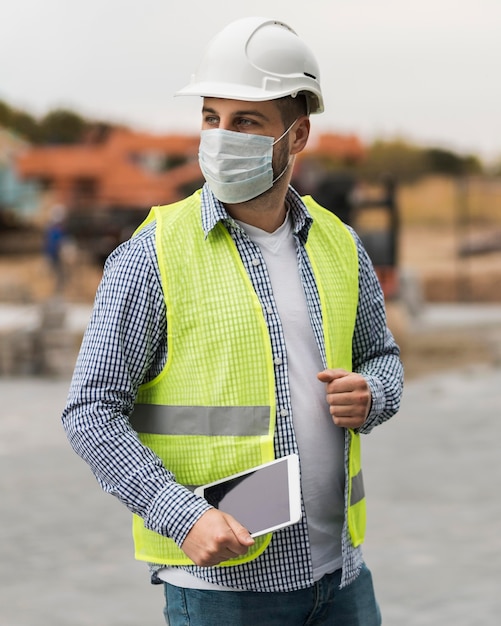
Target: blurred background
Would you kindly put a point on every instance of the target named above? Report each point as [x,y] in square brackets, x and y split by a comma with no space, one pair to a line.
[408,152]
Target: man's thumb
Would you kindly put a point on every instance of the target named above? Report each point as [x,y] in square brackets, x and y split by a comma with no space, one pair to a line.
[241,533]
[327,375]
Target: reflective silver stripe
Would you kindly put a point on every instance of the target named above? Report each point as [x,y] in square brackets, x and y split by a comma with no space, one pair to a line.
[357,488]
[236,421]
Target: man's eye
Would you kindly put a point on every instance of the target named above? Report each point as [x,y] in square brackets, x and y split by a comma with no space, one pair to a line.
[245,122]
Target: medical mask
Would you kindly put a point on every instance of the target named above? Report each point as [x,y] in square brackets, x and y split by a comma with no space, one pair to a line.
[238,166]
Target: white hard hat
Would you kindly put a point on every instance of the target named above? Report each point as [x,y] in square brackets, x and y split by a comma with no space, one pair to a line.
[257,59]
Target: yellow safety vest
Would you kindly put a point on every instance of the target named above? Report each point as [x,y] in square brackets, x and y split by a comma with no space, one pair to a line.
[211,411]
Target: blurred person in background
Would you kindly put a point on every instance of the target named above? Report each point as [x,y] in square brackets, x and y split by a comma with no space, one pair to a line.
[239,325]
[54,240]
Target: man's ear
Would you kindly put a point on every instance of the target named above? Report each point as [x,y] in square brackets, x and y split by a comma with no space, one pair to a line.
[300,134]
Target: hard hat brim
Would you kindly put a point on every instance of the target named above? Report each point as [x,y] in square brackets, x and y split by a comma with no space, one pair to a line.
[231,91]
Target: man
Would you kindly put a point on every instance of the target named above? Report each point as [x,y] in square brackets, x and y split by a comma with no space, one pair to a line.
[239,325]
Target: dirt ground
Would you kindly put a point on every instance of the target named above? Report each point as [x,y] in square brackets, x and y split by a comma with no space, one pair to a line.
[439,275]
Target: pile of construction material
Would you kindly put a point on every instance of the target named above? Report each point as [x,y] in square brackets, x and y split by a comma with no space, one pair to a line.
[38,339]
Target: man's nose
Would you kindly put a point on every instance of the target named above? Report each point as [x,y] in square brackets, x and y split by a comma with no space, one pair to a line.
[225,123]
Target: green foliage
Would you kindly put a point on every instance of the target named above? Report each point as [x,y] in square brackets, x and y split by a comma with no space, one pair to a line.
[407,162]
[397,158]
[25,125]
[442,161]
[21,122]
[62,127]
[5,114]
[59,126]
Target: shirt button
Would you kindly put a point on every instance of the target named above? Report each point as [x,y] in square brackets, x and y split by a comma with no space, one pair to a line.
[277,360]
[256,261]
[269,310]
[284,412]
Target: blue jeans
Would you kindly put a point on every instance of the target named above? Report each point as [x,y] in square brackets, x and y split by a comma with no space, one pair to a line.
[322,604]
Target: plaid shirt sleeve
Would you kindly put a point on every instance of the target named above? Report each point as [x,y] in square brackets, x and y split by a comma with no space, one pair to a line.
[123,346]
[376,355]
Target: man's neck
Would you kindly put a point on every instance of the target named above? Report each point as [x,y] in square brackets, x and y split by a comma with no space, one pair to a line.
[266,212]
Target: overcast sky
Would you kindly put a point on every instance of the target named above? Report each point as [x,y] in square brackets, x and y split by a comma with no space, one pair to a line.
[427,70]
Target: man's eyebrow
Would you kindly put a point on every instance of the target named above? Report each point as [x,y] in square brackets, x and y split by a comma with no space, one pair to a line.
[241,112]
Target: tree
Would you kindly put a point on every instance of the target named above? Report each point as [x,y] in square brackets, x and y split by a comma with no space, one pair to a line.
[61,126]
[443,161]
[402,160]
[5,114]
[25,125]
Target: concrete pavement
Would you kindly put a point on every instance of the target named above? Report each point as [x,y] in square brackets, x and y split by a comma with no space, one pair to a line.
[66,554]
[432,478]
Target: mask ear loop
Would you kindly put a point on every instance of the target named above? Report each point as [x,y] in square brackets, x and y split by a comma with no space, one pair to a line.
[285,133]
[283,171]
[290,158]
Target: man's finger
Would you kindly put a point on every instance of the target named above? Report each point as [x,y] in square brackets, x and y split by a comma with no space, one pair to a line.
[328,375]
[241,534]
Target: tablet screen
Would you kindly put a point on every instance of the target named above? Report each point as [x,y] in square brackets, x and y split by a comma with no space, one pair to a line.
[260,499]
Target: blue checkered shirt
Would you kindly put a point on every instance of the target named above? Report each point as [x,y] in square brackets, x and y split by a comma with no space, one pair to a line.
[125,346]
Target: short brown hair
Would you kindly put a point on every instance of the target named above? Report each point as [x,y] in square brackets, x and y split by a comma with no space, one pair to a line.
[291,108]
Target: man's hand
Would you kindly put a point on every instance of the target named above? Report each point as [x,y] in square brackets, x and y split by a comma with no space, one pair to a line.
[216,537]
[348,396]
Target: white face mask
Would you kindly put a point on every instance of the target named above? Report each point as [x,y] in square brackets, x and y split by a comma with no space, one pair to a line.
[237,166]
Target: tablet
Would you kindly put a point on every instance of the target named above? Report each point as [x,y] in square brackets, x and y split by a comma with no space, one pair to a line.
[263,499]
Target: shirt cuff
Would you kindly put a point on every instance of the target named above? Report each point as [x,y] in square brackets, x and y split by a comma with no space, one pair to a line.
[174,512]
[377,406]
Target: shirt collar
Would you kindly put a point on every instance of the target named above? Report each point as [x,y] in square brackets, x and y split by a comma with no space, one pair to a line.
[213,211]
